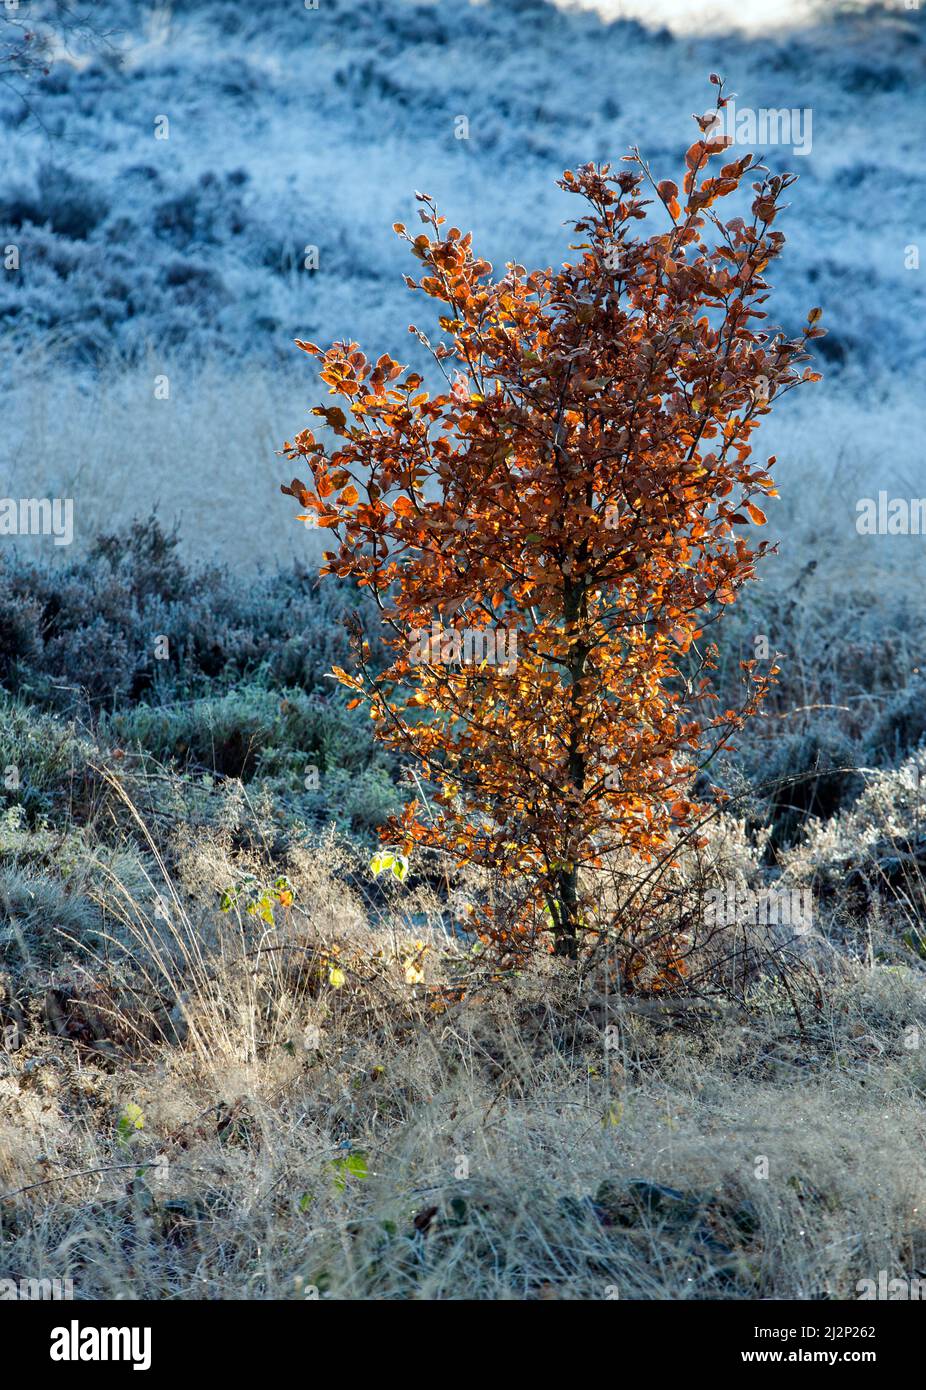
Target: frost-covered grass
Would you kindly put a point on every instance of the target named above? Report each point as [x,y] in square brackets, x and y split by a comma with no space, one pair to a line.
[175,267]
[291,128]
[206,457]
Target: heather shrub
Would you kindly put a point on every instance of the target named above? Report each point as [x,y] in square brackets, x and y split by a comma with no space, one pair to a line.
[81,635]
[38,905]
[20,618]
[360,802]
[241,695]
[43,760]
[202,212]
[808,773]
[310,755]
[71,205]
[840,646]
[250,731]
[871,856]
[901,724]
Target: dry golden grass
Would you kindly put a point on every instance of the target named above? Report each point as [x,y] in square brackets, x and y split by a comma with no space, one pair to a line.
[305,1135]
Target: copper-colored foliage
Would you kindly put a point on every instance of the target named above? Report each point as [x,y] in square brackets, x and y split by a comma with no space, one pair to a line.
[579,484]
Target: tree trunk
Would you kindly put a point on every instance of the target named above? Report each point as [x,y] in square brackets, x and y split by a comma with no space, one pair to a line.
[566,935]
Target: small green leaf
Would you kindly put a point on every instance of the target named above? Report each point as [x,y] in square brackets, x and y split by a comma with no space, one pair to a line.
[400,867]
[351,1166]
[129,1122]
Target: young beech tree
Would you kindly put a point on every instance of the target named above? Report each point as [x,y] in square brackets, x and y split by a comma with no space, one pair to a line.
[574,500]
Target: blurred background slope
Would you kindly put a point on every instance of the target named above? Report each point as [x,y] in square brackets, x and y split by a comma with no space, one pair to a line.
[296,136]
